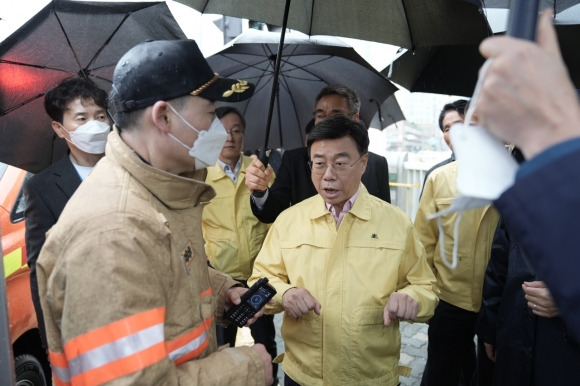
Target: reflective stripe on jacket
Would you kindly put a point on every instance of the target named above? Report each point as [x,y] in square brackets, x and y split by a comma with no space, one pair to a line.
[126,292]
[463,285]
[351,271]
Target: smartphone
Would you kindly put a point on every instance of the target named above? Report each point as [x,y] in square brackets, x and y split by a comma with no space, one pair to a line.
[252,301]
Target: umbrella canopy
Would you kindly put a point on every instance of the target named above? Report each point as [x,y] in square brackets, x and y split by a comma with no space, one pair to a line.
[307,65]
[450,70]
[389,113]
[404,23]
[453,70]
[66,38]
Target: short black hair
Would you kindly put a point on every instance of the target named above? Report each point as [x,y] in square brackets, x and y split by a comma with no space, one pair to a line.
[129,120]
[57,99]
[309,126]
[225,110]
[351,96]
[459,105]
[338,126]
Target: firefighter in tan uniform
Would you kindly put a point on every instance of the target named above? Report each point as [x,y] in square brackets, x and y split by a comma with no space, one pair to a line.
[125,287]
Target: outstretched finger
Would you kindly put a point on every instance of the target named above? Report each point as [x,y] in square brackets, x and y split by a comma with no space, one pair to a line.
[547,37]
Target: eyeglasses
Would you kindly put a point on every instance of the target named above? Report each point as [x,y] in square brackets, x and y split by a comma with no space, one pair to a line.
[338,167]
[235,133]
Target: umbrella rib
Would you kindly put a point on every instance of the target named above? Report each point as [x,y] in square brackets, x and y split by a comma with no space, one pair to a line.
[284,83]
[204,6]
[127,15]
[286,62]
[2,113]
[408,25]
[32,65]
[239,61]
[68,41]
[311,18]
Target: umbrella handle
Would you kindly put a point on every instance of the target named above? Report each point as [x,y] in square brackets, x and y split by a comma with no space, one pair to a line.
[523,19]
[264,157]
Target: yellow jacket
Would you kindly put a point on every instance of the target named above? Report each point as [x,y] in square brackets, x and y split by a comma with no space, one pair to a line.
[463,285]
[233,235]
[351,271]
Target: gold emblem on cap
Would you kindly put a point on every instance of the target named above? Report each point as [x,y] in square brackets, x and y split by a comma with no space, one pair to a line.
[241,86]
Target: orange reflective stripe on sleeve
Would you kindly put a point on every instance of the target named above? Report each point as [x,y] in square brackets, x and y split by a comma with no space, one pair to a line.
[190,345]
[113,351]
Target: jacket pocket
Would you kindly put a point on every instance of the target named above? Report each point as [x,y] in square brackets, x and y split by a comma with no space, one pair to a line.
[374,348]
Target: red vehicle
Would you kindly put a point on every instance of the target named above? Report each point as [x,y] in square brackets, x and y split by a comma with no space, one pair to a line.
[29,358]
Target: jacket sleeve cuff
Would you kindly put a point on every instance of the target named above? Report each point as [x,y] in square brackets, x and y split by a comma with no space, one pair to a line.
[220,284]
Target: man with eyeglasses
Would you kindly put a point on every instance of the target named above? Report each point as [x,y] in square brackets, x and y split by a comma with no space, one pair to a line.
[347,267]
[233,235]
[293,182]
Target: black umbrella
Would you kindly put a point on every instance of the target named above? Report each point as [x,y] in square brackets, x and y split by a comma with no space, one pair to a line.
[307,65]
[388,113]
[406,23]
[453,70]
[403,23]
[450,70]
[66,38]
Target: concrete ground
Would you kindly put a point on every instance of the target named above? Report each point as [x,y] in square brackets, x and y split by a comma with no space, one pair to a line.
[413,348]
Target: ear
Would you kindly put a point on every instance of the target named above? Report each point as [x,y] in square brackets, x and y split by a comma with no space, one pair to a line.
[364,162]
[356,116]
[57,127]
[160,117]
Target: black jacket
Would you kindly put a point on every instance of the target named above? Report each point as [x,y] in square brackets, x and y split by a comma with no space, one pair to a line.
[293,183]
[530,350]
[46,196]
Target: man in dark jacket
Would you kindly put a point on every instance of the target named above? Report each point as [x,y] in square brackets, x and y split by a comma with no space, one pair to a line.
[520,324]
[78,111]
[533,104]
[293,183]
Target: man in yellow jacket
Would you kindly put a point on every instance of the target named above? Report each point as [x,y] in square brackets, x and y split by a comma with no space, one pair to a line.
[233,235]
[346,266]
[451,354]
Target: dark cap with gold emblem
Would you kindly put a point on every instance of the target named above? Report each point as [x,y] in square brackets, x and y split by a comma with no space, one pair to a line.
[167,69]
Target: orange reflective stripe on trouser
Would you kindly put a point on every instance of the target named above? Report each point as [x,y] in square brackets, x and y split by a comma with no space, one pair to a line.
[112,351]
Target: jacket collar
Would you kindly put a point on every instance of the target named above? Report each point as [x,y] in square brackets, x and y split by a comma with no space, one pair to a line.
[66,176]
[176,192]
[360,209]
[215,172]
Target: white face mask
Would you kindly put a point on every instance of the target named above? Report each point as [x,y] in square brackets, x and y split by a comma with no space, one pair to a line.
[208,145]
[90,137]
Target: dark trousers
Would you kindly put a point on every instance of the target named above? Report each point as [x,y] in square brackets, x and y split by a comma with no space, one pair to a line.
[289,381]
[484,371]
[450,349]
[263,331]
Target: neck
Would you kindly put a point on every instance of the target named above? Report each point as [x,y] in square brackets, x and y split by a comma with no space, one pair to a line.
[230,162]
[338,207]
[84,159]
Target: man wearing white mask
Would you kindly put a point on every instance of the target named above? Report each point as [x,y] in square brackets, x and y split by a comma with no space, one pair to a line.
[78,111]
[126,291]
